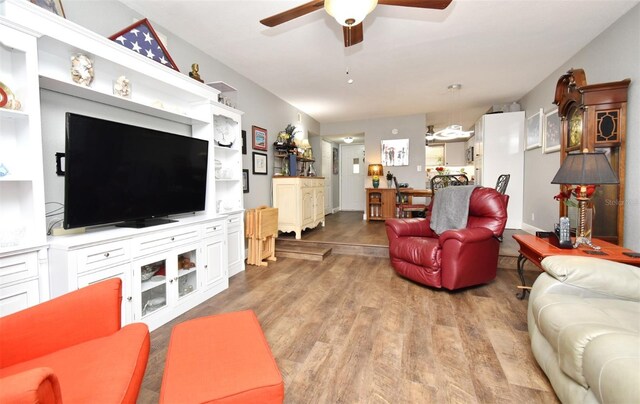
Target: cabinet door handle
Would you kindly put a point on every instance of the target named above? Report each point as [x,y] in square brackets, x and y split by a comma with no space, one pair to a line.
[206,266]
[106,254]
[129,298]
[173,238]
[170,280]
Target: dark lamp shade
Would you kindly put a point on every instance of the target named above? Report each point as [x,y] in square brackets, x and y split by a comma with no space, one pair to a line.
[375,169]
[585,169]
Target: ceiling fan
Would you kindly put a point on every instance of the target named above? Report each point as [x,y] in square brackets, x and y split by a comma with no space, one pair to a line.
[349,13]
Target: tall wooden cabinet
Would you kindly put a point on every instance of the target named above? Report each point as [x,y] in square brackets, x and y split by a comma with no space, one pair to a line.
[300,203]
[594,117]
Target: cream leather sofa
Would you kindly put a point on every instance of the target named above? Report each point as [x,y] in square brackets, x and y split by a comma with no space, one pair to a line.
[584,324]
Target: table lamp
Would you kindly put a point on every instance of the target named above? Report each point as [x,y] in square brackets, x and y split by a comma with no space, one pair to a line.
[375,170]
[583,169]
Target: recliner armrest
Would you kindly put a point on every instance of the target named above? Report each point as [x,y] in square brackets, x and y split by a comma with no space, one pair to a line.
[596,275]
[38,385]
[418,227]
[468,235]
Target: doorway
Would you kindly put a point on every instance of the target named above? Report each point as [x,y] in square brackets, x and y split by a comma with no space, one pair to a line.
[352,177]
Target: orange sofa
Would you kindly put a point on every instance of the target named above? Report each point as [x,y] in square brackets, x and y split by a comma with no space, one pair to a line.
[72,349]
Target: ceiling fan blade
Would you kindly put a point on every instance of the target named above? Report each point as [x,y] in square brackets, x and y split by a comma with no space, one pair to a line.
[435,4]
[352,35]
[293,13]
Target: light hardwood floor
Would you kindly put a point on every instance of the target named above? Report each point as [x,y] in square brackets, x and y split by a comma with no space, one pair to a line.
[349,330]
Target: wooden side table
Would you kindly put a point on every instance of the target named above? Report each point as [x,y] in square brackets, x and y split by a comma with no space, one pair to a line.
[535,249]
[381,203]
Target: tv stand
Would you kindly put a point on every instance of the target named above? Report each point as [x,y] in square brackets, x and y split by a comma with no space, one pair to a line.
[139,224]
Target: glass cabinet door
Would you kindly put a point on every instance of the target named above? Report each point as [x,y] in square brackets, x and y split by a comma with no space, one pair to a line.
[153,286]
[187,273]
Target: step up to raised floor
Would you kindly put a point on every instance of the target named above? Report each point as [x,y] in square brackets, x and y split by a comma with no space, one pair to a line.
[334,247]
[302,252]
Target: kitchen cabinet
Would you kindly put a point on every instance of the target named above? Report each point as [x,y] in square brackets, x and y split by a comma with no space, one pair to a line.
[499,149]
[300,203]
[454,154]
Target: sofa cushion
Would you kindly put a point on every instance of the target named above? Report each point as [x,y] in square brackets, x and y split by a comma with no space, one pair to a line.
[612,367]
[569,323]
[100,370]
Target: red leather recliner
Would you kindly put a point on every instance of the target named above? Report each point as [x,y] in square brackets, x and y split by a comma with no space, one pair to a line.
[456,258]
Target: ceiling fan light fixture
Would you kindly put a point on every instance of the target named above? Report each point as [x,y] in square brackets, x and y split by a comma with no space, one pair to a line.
[349,12]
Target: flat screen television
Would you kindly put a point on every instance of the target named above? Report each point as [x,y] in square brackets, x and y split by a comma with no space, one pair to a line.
[115,172]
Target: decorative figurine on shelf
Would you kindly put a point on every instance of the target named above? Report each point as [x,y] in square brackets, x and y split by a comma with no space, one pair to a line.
[3,170]
[389,179]
[185,263]
[194,73]
[8,100]
[81,69]
[122,87]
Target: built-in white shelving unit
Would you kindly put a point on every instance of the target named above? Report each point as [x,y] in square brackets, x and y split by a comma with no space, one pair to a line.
[36,48]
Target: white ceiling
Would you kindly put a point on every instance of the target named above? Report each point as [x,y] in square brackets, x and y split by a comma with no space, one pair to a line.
[497,49]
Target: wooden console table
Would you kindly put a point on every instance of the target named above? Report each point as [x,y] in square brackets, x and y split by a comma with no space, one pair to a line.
[382,202]
[535,249]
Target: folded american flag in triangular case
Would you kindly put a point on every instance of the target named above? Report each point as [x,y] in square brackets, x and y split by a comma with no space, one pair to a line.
[140,37]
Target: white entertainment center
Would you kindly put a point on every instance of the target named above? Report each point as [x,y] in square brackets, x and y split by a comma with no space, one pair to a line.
[193,257]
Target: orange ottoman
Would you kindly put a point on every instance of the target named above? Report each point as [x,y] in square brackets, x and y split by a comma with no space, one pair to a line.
[223,358]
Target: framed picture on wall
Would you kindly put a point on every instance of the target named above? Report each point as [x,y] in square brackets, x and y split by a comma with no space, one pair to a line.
[551,132]
[335,161]
[259,163]
[395,152]
[245,180]
[534,130]
[259,136]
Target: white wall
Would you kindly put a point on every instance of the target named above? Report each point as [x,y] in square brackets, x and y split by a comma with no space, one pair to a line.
[261,108]
[614,55]
[410,127]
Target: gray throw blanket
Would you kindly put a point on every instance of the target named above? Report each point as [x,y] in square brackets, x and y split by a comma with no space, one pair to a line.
[451,208]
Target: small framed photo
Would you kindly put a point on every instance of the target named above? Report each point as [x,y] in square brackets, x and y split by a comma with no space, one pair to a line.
[245,180]
[55,6]
[259,138]
[259,163]
[534,130]
[244,142]
[551,132]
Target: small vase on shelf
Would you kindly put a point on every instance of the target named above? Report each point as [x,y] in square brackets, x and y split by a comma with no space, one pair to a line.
[376,181]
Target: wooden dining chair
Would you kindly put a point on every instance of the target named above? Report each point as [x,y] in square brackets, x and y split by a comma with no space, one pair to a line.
[404,207]
[442,181]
